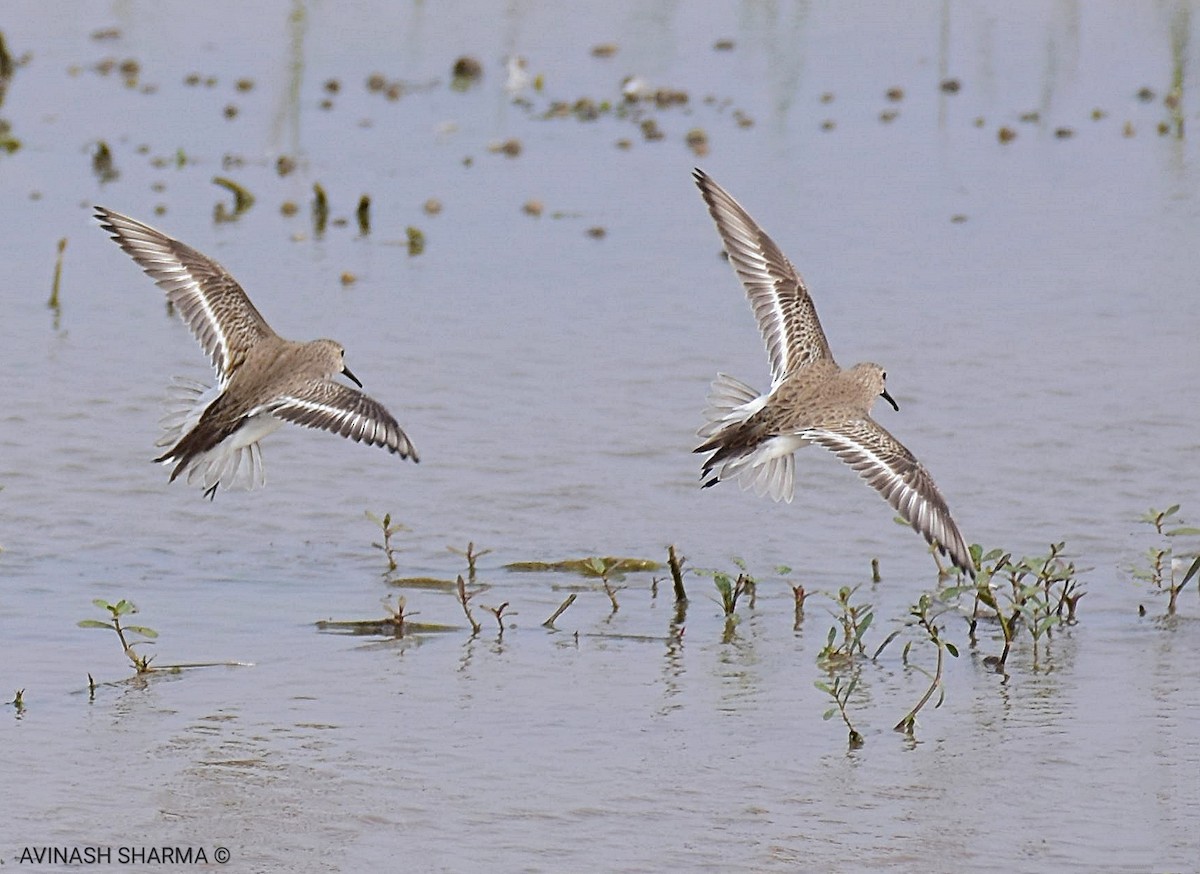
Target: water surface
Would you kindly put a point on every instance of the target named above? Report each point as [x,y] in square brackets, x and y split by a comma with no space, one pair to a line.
[1033,302]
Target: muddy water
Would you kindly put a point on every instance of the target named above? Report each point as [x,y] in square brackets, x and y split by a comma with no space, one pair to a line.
[1032,300]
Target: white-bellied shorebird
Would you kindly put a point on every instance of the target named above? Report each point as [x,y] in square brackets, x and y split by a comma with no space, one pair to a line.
[753,438]
[263,380]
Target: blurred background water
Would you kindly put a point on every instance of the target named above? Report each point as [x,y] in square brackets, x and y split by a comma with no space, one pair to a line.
[998,204]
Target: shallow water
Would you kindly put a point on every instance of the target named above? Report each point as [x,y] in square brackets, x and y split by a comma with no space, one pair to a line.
[1033,302]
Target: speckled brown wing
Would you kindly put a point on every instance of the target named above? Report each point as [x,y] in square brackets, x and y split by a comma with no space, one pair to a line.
[209,300]
[782,305]
[893,471]
[334,407]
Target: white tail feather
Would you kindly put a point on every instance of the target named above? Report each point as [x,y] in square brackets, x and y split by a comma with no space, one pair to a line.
[730,401]
[769,469]
[187,399]
[234,463]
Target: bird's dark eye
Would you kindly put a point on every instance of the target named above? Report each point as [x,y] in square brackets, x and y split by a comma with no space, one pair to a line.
[885,376]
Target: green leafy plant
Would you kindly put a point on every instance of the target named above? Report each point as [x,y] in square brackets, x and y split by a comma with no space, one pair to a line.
[840,693]
[924,615]
[852,620]
[1038,593]
[1159,569]
[603,568]
[389,530]
[115,611]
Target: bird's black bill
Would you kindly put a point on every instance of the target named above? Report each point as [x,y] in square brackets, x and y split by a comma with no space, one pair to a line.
[354,379]
[883,394]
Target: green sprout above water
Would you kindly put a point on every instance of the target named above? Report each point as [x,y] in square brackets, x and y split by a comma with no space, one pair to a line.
[840,693]
[388,530]
[115,611]
[852,620]
[924,615]
[1159,569]
[605,570]
[731,588]
[1039,593]
[472,556]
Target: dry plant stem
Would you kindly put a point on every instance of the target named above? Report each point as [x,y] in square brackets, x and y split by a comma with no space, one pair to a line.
[463,598]
[612,594]
[799,594]
[676,565]
[875,578]
[498,612]
[53,302]
[562,608]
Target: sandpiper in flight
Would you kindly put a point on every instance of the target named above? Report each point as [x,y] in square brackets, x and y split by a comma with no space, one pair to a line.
[263,380]
[753,437]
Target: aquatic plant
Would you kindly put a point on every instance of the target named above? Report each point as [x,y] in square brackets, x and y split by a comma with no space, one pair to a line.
[464,598]
[1159,569]
[396,613]
[115,611]
[363,215]
[584,565]
[54,303]
[924,615]
[731,588]
[840,693]
[472,556]
[498,612]
[388,529]
[18,701]
[675,562]
[562,608]
[799,596]
[604,568]
[1042,593]
[242,200]
[396,623]
[102,163]
[320,209]
[416,240]
[853,620]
